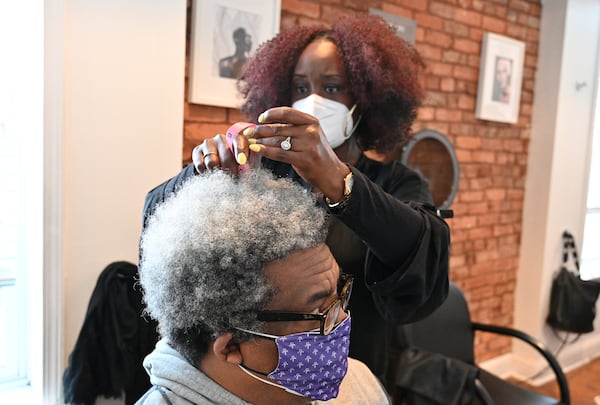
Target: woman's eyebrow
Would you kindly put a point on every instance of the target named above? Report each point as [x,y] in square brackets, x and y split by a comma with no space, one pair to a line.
[326,76]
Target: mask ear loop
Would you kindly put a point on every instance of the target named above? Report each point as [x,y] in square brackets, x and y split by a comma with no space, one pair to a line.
[349,122]
[249,371]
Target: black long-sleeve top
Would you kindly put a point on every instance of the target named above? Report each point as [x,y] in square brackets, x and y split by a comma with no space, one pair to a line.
[389,237]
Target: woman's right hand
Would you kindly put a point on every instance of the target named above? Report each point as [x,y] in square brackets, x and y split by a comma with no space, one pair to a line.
[215,153]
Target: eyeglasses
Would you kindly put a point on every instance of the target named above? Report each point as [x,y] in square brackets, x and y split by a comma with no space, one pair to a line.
[328,316]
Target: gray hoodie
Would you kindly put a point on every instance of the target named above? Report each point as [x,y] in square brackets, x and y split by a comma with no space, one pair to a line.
[177,382]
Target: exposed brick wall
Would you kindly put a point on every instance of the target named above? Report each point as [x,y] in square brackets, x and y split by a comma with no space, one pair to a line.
[486,229]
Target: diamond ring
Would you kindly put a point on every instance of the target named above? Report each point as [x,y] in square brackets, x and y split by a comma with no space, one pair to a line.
[286,144]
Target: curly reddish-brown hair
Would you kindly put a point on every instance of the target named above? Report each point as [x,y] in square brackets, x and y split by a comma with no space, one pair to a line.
[381,68]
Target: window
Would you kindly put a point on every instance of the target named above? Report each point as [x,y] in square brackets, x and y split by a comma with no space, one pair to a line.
[13,307]
[21,188]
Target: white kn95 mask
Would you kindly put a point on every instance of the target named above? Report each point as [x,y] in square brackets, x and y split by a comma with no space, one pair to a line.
[334,117]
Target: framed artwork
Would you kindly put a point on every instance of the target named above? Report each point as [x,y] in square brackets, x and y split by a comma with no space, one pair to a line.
[500,78]
[225,33]
[405,28]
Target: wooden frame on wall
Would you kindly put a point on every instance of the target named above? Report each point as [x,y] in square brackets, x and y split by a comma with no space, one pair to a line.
[500,78]
[224,34]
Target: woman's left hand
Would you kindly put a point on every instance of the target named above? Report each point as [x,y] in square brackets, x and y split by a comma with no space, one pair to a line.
[309,152]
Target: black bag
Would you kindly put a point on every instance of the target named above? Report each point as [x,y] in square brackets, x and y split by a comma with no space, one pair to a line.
[572,300]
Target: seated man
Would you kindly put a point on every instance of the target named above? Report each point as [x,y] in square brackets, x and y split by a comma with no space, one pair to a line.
[251,304]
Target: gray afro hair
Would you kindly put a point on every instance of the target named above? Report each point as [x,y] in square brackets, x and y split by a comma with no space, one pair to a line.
[204,250]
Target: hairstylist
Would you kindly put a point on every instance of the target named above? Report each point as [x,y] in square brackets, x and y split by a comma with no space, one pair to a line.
[321,96]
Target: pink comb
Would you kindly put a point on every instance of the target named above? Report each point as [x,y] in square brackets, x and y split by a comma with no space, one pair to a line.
[232,133]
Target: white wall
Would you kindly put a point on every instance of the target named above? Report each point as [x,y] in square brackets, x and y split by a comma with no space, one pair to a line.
[124,65]
[556,183]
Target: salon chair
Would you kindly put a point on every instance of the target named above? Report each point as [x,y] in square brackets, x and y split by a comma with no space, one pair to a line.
[447,337]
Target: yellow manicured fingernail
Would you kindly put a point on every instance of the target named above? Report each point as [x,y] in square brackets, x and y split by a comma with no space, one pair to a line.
[261,118]
[248,131]
[241,158]
[251,141]
[254,147]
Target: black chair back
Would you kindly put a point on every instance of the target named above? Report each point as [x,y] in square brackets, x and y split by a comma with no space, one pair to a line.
[447,330]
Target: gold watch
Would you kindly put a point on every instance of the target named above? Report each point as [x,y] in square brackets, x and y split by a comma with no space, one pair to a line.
[348,183]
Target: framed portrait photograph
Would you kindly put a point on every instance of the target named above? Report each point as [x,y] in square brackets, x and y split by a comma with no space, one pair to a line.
[405,28]
[500,78]
[225,33]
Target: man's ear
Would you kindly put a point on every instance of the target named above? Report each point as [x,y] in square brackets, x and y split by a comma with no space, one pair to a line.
[227,349]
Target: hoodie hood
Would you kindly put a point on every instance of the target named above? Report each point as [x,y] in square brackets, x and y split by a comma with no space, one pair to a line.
[182,382]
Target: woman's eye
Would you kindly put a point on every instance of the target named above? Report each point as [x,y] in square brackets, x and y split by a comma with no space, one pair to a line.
[301,89]
[332,89]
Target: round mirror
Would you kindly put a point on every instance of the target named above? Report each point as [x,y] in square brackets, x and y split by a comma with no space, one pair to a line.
[432,155]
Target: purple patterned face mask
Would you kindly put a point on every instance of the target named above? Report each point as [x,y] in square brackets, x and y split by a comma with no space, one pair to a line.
[310,364]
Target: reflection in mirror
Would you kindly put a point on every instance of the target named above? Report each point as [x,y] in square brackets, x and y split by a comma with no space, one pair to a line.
[431,154]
